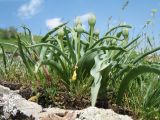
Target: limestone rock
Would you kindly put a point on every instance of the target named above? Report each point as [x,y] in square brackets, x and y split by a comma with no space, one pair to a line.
[90,113]
[93,113]
[13,102]
[4,90]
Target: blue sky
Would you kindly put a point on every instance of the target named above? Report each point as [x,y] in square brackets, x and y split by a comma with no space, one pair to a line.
[42,15]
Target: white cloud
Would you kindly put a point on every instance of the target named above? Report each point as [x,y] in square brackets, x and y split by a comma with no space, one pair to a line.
[28,10]
[54,22]
[84,17]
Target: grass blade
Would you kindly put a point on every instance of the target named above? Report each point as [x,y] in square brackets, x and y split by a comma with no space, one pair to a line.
[4,58]
[51,32]
[132,74]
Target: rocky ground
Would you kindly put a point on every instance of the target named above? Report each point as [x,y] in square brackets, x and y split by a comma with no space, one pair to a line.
[14,107]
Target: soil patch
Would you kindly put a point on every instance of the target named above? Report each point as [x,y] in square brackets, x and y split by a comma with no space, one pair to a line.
[11,85]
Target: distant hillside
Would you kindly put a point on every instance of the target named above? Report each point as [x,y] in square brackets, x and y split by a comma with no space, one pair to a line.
[9,36]
[8,33]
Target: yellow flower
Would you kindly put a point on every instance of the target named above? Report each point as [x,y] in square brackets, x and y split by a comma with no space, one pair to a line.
[74,76]
[34,98]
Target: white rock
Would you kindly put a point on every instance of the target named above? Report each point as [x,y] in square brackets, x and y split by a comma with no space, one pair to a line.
[4,90]
[93,113]
[90,113]
[13,102]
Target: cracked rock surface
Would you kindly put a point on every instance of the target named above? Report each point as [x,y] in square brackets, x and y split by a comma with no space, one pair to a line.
[13,106]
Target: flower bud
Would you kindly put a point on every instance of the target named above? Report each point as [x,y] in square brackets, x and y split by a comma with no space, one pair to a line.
[96,32]
[79,28]
[60,32]
[92,19]
[78,21]
[125,32]
[114,42]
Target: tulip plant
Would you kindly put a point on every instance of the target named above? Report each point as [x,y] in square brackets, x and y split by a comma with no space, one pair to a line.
[84,60]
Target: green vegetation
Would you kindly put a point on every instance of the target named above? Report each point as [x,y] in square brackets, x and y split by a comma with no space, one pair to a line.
[88,64]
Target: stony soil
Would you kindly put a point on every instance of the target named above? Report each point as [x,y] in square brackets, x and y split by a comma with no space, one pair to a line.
[64,101]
